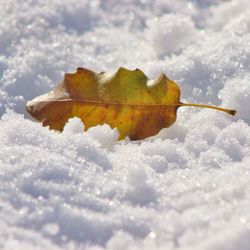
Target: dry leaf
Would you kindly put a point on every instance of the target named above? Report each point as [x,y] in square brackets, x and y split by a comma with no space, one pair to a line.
[128,100]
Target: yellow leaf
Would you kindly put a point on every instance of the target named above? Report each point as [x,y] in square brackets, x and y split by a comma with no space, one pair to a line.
[137,106]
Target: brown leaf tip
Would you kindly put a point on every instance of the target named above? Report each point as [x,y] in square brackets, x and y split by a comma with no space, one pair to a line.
[232,112]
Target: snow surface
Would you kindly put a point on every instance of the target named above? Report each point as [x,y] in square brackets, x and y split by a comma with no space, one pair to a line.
[186,188]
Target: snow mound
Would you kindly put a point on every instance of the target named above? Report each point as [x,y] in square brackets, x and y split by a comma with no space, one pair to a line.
[171,33]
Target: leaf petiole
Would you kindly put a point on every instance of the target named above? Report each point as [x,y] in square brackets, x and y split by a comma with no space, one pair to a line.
[229,111]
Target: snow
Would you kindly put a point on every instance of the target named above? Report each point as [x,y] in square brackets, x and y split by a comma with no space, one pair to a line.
[186,188]
[171,33]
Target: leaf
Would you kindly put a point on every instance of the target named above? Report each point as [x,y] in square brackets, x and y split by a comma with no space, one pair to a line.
[128,100]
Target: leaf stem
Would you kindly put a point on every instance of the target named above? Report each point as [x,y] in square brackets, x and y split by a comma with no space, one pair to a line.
[229,111]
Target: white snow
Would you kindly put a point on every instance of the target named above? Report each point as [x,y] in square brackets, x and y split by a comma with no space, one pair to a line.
[186,188]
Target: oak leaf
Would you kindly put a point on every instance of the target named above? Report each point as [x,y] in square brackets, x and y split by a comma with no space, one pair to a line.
[127,100]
